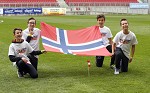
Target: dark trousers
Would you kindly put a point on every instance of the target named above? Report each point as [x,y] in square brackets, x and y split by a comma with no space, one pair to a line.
[100,59]
[120,57]
[27,68]
[33,60]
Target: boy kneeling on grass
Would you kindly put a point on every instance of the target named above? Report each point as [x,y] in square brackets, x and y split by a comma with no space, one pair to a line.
[123,43]
[18,51]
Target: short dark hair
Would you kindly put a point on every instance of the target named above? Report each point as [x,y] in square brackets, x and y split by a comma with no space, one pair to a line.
[16,29]
[123,19]
[31,19]
[100,16]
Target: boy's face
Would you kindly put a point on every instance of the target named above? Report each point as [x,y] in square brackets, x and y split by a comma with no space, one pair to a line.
[18,34]
[101,22]
[124,25]
[31,24]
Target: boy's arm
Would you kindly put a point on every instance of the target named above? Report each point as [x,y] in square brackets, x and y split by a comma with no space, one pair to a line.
[12,58]
[29,37]
[113,48]
[37,52]
[110,41]
[132,53]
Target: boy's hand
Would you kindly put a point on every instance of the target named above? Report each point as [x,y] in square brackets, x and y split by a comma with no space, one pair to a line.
[43,51]
[130,60]
[31,31]
[24,59]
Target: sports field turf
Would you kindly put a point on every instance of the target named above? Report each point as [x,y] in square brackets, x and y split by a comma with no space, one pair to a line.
[60,73]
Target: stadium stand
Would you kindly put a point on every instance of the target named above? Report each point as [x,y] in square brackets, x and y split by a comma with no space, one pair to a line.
[25,1]
[129,1]
[100,2]
[89,7]
[28,3]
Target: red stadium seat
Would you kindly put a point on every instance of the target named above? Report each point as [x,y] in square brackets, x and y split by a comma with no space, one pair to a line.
[129,1]
[25,1]
[100,2]
[28,3]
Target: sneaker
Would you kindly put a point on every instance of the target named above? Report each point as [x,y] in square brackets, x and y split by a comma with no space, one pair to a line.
[20,74]
[116,71]
[112,67]
[25,73]
[120,70]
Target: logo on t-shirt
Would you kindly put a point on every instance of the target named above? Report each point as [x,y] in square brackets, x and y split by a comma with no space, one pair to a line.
[23,50]
[103,34]
[34,37]
[126,41]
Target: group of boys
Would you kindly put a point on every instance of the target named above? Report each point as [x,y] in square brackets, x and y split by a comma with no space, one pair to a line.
[24,49]
[120,46]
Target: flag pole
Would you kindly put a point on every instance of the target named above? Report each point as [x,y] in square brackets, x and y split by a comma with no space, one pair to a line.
[89,64]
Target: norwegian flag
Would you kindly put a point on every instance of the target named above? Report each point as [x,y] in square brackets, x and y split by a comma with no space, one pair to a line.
[86,41]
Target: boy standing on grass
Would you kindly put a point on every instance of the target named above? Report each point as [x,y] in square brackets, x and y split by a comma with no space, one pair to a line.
[32,36]
[122,43]
[18,51]
[107,39]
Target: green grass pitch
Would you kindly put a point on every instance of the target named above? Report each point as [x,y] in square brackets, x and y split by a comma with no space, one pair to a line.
[60,73]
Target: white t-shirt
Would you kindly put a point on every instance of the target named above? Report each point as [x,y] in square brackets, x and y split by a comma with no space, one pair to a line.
[20,49]
[125,41]
[35,40]
[105,33]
